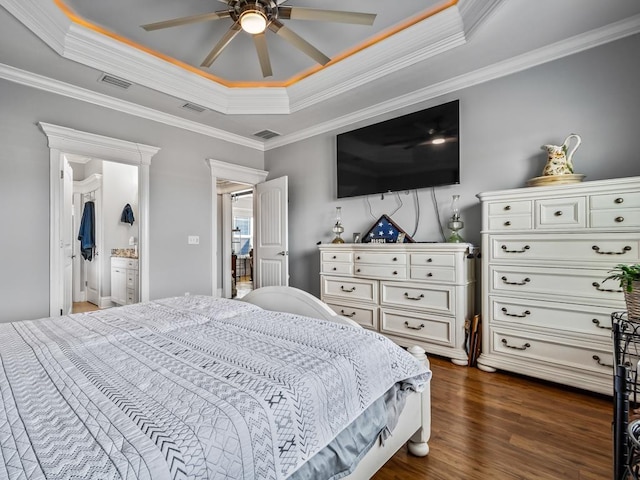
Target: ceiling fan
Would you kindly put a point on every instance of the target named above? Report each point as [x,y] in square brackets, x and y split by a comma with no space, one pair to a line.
[254,17]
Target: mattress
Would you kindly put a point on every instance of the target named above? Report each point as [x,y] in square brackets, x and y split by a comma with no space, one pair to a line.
[188,387]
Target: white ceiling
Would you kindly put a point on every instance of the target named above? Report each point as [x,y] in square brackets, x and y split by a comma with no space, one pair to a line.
[467,43]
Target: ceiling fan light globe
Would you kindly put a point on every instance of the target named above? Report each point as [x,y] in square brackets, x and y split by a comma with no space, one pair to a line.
[253,21]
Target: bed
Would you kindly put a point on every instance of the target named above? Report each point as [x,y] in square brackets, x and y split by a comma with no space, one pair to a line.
[273,387]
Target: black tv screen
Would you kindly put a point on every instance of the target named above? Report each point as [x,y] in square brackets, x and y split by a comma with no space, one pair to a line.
[414,151]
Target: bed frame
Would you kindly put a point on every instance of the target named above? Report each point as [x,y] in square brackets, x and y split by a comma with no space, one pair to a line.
[414,424]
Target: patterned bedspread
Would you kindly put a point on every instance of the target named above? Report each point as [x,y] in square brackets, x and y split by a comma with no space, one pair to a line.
[190,387]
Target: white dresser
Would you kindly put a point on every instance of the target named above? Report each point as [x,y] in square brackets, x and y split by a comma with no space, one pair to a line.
[124,280]
[545,253]
[414,293]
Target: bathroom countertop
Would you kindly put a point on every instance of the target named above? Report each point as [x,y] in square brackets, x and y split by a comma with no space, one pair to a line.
[124,253]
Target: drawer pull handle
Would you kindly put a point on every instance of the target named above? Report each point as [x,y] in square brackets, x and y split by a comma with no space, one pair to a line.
[519,315]
[429,260]
[524,249]
[395,259]
[619,200]
[395,273]
[523,347]
[406,324]
[358,270]
[348,291]
[429,274]
[597,324]
[600,362]
[420,297]
[358,257]
[507,207]
[597,287]
[619,219]
[334,269]
[624,250]
[524,282]
[344,314]
[558,213]
[507,223]
[334,257]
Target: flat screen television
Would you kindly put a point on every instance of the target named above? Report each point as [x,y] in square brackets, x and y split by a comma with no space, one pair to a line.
[414,151]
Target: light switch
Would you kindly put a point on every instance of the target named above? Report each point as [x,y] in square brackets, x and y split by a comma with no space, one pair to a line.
[193,240]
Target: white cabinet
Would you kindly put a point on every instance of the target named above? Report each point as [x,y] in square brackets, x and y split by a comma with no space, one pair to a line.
[414,293]
[124,280]
[546,251]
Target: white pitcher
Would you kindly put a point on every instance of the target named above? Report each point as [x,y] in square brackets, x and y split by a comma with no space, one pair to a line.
[559,156]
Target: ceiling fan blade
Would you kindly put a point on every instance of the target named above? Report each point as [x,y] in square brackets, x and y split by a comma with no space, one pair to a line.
[300,43]
[224,41]
[203,17]
[260,41]
[298,13]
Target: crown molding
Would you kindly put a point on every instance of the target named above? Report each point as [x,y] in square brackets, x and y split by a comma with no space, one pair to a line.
[437,33]
[40,82]
[236,173]
[93,145]
[425,39]
[573,45]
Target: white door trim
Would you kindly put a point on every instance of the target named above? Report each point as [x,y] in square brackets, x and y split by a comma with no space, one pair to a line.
[233,173]
[63,140]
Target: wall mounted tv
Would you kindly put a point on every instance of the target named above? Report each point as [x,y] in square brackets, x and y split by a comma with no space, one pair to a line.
[414,151]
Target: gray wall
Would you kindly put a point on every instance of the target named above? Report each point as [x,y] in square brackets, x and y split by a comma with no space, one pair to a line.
[503,124]
[180,196]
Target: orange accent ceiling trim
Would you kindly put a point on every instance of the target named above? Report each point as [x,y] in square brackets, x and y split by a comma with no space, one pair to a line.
[240,84]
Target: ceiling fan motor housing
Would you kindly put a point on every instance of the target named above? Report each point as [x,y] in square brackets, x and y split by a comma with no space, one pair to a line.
[238,8]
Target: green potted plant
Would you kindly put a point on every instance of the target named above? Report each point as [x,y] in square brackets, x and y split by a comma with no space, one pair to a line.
[628,276]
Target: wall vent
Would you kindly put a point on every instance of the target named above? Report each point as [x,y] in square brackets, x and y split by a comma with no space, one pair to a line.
[266,134]
[115,81]
[193,107]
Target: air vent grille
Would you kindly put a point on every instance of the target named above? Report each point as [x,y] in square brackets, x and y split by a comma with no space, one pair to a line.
[266,134]
[115,81]
[193,107]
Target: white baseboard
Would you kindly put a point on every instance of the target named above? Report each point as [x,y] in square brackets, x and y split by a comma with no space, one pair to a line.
[105,302]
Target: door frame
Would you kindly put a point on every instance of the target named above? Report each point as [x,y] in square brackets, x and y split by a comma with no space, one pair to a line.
[233,173]
[63,140]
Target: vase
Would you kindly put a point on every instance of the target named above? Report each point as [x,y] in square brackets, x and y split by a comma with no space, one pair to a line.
[632,300]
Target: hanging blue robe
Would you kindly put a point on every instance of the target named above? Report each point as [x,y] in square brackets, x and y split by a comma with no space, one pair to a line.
[87,234]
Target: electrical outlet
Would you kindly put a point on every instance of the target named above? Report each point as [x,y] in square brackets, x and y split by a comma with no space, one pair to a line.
[193,240]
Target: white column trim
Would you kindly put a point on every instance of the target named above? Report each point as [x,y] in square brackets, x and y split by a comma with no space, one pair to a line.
[63,140]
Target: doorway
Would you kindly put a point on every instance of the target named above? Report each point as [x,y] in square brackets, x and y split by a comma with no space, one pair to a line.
[242,224]
[66,141]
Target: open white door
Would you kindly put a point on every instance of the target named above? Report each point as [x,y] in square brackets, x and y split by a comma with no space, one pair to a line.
[67,237]
[271,250]
[93,270]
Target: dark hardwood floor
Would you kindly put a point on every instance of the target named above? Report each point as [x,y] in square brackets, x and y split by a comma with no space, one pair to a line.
[501,426]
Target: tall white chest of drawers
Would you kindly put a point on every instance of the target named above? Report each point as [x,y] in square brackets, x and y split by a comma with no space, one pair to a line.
[545,253]
[413,293]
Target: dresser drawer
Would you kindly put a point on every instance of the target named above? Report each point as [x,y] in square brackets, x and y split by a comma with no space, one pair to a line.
[433,274]
[335,268]
[615,218]
[381,271]
[553,350]
[131,263]
[367,316]
[418,326]
[509,208]
[381,258]
[131,279]
[511,222]
[556,284]
[336,257]
[432,260]
[605,249]
[615,201]
[561,213]
[436,298]
[119,262]
[551,316]
[351,288]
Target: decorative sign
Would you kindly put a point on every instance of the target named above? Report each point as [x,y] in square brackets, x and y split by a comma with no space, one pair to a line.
[385,230]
